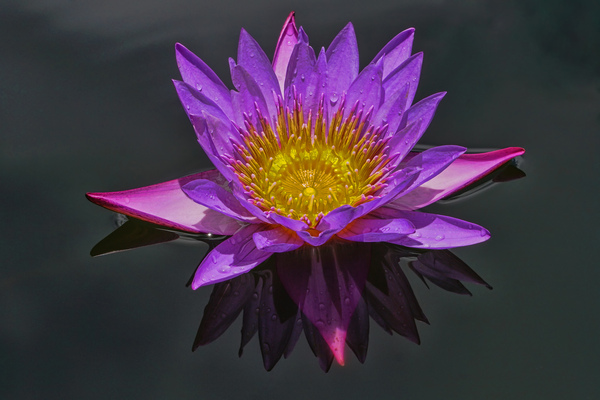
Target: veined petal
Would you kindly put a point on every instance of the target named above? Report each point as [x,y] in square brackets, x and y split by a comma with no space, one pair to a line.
[400,88]
[299,73]
[289,223]
[215,197]
[342,64]
[199,75]
[396,51]
[422,112]
[366,89]
[376,230]
[165,204]
[285,45]
[434,231]
[232,257]
[248,96]
[277,240]
[254,60]
[465,170]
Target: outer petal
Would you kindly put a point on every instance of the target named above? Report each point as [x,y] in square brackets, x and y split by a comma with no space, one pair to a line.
[233,257]
[376,230]
[215,197]
[342,64]
[285,45]
[277,240]
[396,51]
[250,94]
[167,205]
[463,171]
[299,73]
[436,231]
[199,75]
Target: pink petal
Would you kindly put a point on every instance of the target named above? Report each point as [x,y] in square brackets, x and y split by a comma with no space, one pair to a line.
[463,171]
[285,45]
[167,205]
[217,198]
[234,256]
[277,240]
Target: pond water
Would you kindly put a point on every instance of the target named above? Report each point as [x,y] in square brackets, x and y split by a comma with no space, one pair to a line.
[87,104]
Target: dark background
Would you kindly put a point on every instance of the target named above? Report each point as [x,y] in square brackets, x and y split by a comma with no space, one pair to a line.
[86,104]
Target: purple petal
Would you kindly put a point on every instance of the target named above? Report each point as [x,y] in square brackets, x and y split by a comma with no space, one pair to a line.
[366,89]
[289,223]
[376,230]
[342,64]
[199,75]
[167,205]
[396,51]
[233,257]
[462,172]
[248,96]
[299,73]
[431,162]
[326,282]
[400,88]
[357,337]
[254,60]
[277,240]
[316,86]
[285,45]
[215,197]
[434,231]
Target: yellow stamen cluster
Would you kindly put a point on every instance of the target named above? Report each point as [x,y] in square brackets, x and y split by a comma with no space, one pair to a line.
[304,169]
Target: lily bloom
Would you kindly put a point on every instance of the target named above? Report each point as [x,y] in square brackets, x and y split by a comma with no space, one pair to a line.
[308,148]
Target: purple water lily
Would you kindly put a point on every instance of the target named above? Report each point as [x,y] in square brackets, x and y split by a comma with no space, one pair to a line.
[307,149]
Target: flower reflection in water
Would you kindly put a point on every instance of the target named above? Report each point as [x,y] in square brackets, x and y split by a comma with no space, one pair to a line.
[329,293]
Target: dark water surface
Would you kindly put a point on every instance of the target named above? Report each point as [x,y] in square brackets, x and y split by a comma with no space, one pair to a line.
[86,104]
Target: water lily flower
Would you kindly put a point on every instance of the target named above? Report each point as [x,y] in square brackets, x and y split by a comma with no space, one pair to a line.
[308,148]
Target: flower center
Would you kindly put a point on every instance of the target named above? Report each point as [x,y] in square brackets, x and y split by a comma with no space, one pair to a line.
[304,169]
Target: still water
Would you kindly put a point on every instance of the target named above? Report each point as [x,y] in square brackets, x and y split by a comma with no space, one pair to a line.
[86,104]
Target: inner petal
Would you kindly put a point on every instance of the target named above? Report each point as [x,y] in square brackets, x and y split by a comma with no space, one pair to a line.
[304,169]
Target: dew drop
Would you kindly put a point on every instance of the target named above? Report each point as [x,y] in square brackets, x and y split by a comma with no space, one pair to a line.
[127,200]
[223,268]
[199,87]
[274,317]
[333,98]
[302,77]
[440,237]
[417,234]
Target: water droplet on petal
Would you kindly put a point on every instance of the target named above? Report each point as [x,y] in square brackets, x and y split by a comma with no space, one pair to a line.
[223,268]
[440,237]
[333,98]
[302,77]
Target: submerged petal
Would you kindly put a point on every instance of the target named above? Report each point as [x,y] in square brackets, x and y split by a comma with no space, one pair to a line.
[167,205]
[232,257]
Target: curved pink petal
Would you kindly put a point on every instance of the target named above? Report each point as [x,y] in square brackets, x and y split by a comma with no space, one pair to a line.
[217,198]
[201,77]
[463,171]
[277,240]
[376,230]
[285,45]
[167,205]
[434,231]
[234,256]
